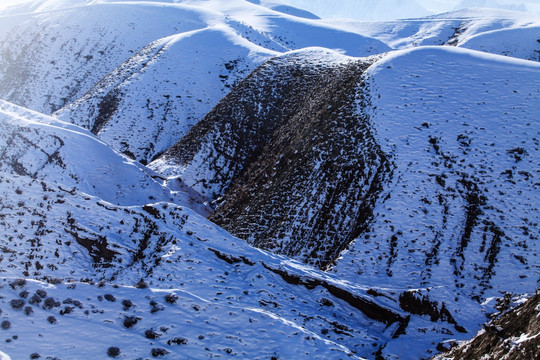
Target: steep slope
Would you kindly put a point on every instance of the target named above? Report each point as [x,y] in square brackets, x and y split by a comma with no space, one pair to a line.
[279,136]
[51,58]
[461,208]
[42,148]
[513,335]
[73,263]
[147,104]
[141,87]
[313,151]
[463,152]
[521,43]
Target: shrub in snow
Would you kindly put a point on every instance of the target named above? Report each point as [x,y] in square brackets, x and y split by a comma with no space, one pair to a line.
[24,294]
[155,307]
[77,303]
[171,298]
[35,299]
[28,310]
[127,304]
[17,304]
[151,334]
[41,293]
[159,352]
[113,351]
[109,297]
[5,324]
[35,356]
[67,310]
[179,341]
[130,321]
[17,283]
[51,319]
[50,303]
[141,285]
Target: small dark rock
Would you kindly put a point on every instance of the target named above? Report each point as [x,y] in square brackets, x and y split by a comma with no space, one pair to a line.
[155,307]
[127,304]
[326,302]
[35,299]
[151,334]
[171,298]
[141,285]
[67,310]
[180,341]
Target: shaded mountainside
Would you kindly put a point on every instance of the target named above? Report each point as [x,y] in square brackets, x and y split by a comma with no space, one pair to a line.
[278,135]
[514,335]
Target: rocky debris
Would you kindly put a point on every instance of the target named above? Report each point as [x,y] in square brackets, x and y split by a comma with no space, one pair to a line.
[514,335]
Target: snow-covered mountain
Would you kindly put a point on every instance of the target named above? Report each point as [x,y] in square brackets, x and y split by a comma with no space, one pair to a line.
[234,178]
[366,10]
[495,31]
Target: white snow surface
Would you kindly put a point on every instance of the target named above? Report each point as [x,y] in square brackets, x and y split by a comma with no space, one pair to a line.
[59,153]
[447,116]
[62,188]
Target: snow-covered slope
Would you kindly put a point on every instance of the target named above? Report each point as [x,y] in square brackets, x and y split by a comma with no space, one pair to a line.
[510,335]
[409,177]
[49,59]
[44,149]
[461,208]
[448,146]
[523,43]
[205,293]
[152,100]
[366,10]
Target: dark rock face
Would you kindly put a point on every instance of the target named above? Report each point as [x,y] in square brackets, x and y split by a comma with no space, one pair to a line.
[290,157]
[514,335]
